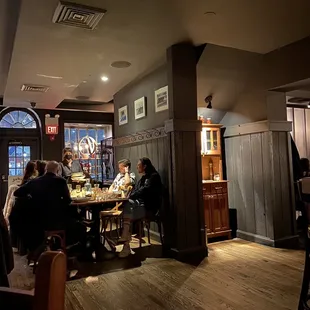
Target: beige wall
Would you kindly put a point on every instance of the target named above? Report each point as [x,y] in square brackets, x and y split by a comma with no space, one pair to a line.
[241,81]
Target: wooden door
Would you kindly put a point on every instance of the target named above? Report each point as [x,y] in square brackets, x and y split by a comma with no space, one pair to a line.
[207,201]
[14,156]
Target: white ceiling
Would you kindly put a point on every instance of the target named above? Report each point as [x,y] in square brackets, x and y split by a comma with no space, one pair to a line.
[138,31]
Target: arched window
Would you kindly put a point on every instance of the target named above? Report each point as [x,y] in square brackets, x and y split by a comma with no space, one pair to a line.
[18,119]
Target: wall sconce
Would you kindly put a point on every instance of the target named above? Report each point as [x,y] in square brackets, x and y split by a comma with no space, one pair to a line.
[208,100]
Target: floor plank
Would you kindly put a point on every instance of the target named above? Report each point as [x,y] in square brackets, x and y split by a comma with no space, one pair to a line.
[238,275]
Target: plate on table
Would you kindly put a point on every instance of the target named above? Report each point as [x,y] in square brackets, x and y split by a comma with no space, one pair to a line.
[81,199]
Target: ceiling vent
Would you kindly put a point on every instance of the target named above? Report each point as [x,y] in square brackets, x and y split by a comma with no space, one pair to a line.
[77,15]
[35,88]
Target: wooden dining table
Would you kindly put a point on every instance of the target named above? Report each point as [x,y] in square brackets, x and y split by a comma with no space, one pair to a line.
[96,206]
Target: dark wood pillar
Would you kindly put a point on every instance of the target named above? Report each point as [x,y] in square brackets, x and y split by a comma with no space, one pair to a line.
[185,177]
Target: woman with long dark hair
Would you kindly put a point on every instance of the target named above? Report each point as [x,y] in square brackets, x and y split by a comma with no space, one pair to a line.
[144,200]
[30,172]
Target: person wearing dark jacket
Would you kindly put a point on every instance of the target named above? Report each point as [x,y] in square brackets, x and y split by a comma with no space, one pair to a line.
[144,199]
[6,253]
[48,207]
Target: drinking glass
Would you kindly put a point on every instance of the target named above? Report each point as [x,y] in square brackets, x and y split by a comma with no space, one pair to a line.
[69,187]
[78,188]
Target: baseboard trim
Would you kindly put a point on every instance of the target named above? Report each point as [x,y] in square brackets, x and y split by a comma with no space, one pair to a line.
[290,242]
[191,255]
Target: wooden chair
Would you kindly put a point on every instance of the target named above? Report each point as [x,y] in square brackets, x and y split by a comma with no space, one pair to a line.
[60,235]
[112,216]
[49,292]
[146,223]
[108,217]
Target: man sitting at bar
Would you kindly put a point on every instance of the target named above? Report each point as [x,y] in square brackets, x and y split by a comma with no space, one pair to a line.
[145,200]
[124,178]
[49,208]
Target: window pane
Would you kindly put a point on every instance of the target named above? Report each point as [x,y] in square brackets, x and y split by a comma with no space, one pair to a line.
[19,172]
[26,151]
[19,151]
[17,119]
[12,151]
[100,135]
[73,136]
[12,172]
[12,162]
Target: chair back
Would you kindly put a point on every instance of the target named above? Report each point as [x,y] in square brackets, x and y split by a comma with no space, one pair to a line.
[50,282]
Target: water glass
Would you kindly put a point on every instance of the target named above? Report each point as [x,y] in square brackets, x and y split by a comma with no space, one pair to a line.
[78,188]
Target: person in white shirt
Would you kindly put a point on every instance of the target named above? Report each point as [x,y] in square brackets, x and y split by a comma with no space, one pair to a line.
[124,177]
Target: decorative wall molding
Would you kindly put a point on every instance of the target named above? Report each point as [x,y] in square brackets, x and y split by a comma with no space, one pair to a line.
[141,136]
[257,127]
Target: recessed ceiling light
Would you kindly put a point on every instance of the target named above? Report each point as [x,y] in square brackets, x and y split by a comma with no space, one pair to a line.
[104,78]
[120,64]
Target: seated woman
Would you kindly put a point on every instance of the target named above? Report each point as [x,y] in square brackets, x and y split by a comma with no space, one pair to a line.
[124,178]
[145,199]
[68,165]
[29,174]
[40,166]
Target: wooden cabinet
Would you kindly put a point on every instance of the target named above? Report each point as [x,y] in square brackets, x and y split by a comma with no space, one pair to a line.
[211,140]
[216,210]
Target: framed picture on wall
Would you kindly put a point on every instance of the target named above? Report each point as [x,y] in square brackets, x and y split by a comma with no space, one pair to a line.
[161,99]
[123,115]
[140,110]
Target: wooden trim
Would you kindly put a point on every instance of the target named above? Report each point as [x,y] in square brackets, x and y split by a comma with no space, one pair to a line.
[212,125]
[287,242]
[139,137]
[257,127]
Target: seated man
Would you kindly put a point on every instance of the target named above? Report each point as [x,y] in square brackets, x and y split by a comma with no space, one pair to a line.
[144,200]
[124,178]
[49,207]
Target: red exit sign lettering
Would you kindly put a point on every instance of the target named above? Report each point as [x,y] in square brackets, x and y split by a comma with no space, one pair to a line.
[51,130]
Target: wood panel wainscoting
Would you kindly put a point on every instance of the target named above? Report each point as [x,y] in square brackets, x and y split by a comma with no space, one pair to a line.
[215,198]
[259,169]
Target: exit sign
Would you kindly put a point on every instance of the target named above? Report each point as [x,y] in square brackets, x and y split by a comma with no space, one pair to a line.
[51,129]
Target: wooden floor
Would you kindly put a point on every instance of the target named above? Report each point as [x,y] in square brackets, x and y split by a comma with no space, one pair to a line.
[237,275]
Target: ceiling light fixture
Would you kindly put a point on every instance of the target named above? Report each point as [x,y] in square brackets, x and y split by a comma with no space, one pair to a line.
[104,78]
[308,105]
[208,100]
[50,76]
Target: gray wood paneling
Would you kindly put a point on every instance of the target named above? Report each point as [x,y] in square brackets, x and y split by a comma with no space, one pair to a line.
[268,181]
[258,168]
[247,183]
[258,185]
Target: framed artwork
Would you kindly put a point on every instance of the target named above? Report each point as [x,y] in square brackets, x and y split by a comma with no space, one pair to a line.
[161,99]
[140,111]
[123,115]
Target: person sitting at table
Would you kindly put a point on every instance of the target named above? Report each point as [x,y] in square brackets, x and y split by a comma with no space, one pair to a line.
[40,166]
[68,165]
[125,178]
[48,208]
[144,200]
